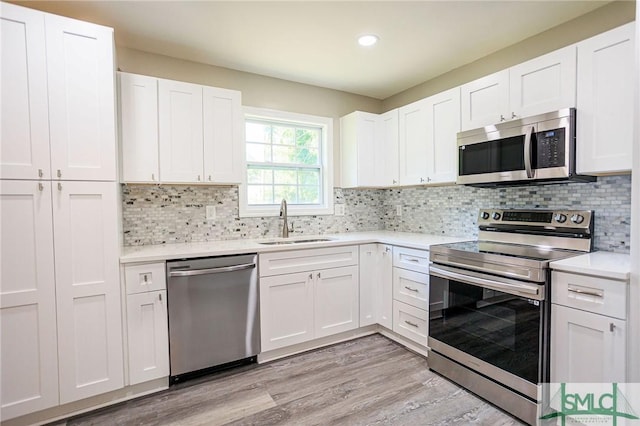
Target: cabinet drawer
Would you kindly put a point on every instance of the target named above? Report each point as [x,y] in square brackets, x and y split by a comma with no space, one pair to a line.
[592,294]
[412,259]
[145,277]
[410,322]
[287,262]
[411,287]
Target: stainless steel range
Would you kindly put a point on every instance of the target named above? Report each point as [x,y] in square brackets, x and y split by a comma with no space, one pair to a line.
[490,305]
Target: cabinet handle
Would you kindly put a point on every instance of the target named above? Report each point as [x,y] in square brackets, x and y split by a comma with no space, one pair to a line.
[318,275]
[145,278]
[421,180]
[412,324]
[310,276]
[412,289]
[160,297]
[502,117]
[395,181]
[40,187]
[59,186]
[612,327]
[387,249]
[413,260]
[198,178]
[513,115]
[153,176]
[40,173]
[209,178]
[59,173]
[595,293]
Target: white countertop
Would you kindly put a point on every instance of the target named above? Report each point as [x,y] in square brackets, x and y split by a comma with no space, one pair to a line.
[600,263]
[162,252]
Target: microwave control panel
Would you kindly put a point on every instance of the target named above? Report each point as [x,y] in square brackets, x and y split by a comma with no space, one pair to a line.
[550,148]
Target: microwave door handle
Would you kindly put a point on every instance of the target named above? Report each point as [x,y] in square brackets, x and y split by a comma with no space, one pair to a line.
[527,152]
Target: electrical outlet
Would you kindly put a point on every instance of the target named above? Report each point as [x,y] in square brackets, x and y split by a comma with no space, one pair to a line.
[211,212]
[338,209]
[399,210]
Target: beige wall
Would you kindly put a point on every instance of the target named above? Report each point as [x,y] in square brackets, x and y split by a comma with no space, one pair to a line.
[257,90]
[609,16]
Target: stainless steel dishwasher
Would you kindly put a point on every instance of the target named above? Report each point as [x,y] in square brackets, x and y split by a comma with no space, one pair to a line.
[214,318]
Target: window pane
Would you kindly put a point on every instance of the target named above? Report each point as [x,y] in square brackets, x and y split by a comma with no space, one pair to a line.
[308,138]
[258,132]
[255,175]
[283,135]
[309,177]
[309,195]
[287,192]
[260,194]
[307,156]
[258,152]
[284,154]
[285,177]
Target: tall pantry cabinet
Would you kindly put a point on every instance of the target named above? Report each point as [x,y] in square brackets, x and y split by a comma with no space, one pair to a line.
[60,319]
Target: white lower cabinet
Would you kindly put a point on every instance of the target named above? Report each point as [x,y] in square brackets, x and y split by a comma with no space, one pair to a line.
[376,293]
[147,322]
[588,329]
[410,322]
[301,306]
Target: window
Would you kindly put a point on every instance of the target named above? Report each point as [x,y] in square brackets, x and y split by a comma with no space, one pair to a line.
[288,156]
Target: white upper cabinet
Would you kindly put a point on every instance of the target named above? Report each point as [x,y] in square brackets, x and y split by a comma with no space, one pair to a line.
[58,104]
[81,76]
[541,85]
[24,114]
[412,145]
[360,147]
[605,117]
[387,162]
[181,143]
[443,124]
[28,350]
[139,127]
[87,289]
[223,135]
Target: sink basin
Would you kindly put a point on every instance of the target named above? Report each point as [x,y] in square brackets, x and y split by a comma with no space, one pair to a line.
[311,240]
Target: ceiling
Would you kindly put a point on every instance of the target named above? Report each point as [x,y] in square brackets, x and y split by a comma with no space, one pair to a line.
[315,42]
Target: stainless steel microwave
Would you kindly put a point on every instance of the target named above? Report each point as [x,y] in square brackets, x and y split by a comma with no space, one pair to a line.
[535,149]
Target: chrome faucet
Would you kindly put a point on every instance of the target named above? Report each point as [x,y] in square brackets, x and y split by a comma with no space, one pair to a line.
[283,215]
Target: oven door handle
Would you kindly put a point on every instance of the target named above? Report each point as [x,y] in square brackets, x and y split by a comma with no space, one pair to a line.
[481,280]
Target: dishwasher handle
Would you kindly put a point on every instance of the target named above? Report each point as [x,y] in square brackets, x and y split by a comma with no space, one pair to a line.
[192,272]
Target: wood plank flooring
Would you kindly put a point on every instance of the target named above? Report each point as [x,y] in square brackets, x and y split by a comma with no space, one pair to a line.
[371,380]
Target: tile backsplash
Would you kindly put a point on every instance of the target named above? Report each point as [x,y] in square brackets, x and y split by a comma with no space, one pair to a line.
[173,214]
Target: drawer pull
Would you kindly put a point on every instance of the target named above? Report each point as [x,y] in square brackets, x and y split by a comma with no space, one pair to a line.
[412,289]
[612,326]
[586,292]
[414,260]
[412,324]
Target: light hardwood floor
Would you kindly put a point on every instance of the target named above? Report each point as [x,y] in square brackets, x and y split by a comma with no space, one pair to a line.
[371,380]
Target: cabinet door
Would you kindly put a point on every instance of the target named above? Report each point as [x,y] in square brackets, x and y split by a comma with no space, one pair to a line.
[148,336]
[81,76]
[412,146]
[586,347]
[369,277]
[336,300]
[28,347]
[359,142]
[87,289]
[543,84]
[385,287]
[24,113]
[139,127]
[443,124]
[286,310]
[485,101]
[387,157]
[180,113]
[223,135]
[605,117]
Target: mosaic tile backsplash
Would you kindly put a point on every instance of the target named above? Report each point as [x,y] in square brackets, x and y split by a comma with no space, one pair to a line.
[174,214]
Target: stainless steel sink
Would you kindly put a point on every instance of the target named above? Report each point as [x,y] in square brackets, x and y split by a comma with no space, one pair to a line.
[311,240]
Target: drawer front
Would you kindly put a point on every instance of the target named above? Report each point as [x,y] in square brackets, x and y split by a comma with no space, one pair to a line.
[410,322]
[144,277]
[287,262]
[592,294]
[411,287]
[412,259]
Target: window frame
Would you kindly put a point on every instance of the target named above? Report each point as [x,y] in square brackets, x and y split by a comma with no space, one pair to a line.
[326,159]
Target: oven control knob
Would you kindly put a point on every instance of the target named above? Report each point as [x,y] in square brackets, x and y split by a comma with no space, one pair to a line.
[561,218]
[496,216]
[485,215]
[577,218]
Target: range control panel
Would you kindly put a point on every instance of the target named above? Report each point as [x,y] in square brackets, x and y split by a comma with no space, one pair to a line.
[550,218]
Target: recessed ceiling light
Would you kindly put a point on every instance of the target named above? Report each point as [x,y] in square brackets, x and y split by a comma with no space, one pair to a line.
[367,40]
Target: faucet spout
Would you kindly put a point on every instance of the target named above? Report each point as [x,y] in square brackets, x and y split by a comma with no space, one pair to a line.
[283,215]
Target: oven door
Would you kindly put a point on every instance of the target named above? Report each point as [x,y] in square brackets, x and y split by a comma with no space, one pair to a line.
[493,325]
